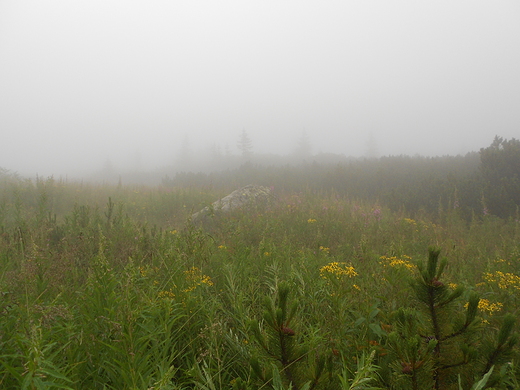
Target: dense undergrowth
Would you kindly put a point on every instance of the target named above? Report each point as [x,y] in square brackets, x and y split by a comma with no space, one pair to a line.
[112,287]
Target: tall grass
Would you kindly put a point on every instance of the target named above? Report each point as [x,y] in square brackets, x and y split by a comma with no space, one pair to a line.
[112,287]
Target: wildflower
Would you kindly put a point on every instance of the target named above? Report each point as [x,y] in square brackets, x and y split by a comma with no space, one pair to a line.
[196,278]
[485,306]
[222,247]
[410,221]
[337,270]
[396,262]
[206,280]
[324,249]
[166,294]
[490,308]
[504,280]
[267,254]
[173,232]
[311,220]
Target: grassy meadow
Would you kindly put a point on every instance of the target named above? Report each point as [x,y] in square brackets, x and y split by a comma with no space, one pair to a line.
[112,287]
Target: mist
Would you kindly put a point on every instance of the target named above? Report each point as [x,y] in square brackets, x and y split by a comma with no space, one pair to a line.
[85,86]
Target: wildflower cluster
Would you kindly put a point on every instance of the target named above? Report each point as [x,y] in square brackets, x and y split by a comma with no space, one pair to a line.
[337,270]
[324,249]
[147,271]
[311,220]
[195,278]
[419,224]
[167,294]
[395,262]
[143,271]
[484,305]
[504,280]
[503,261]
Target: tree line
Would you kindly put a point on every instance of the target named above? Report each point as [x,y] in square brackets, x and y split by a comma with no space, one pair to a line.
[476,184]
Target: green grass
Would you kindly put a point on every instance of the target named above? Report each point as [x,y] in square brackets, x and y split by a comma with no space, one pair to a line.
[111,287]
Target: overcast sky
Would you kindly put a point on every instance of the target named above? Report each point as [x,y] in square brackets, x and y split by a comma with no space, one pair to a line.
[86,81]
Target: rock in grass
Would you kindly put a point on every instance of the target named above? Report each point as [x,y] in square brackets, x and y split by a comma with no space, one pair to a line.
[250,195]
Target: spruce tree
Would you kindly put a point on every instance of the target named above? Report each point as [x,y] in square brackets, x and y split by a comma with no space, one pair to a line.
[245,145]
[440,341]
[284,351]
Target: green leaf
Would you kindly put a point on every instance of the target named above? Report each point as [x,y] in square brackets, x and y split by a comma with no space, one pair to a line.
[277,380]
[377,330]
[481,384]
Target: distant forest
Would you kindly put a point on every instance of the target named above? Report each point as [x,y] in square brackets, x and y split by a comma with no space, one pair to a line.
[477,184]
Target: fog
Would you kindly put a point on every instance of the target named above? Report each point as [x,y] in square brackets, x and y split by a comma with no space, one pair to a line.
[132,83]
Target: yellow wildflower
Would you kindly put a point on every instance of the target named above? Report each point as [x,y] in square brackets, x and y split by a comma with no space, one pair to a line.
[396,262]
[485,306]
[166,294]
[504,280]
[311,220]
[196,278]
[337,270]
[324,249]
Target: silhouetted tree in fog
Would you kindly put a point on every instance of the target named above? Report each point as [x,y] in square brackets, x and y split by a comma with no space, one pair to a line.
[245,146]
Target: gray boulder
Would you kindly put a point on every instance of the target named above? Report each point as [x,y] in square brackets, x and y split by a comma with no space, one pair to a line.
[247,196]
